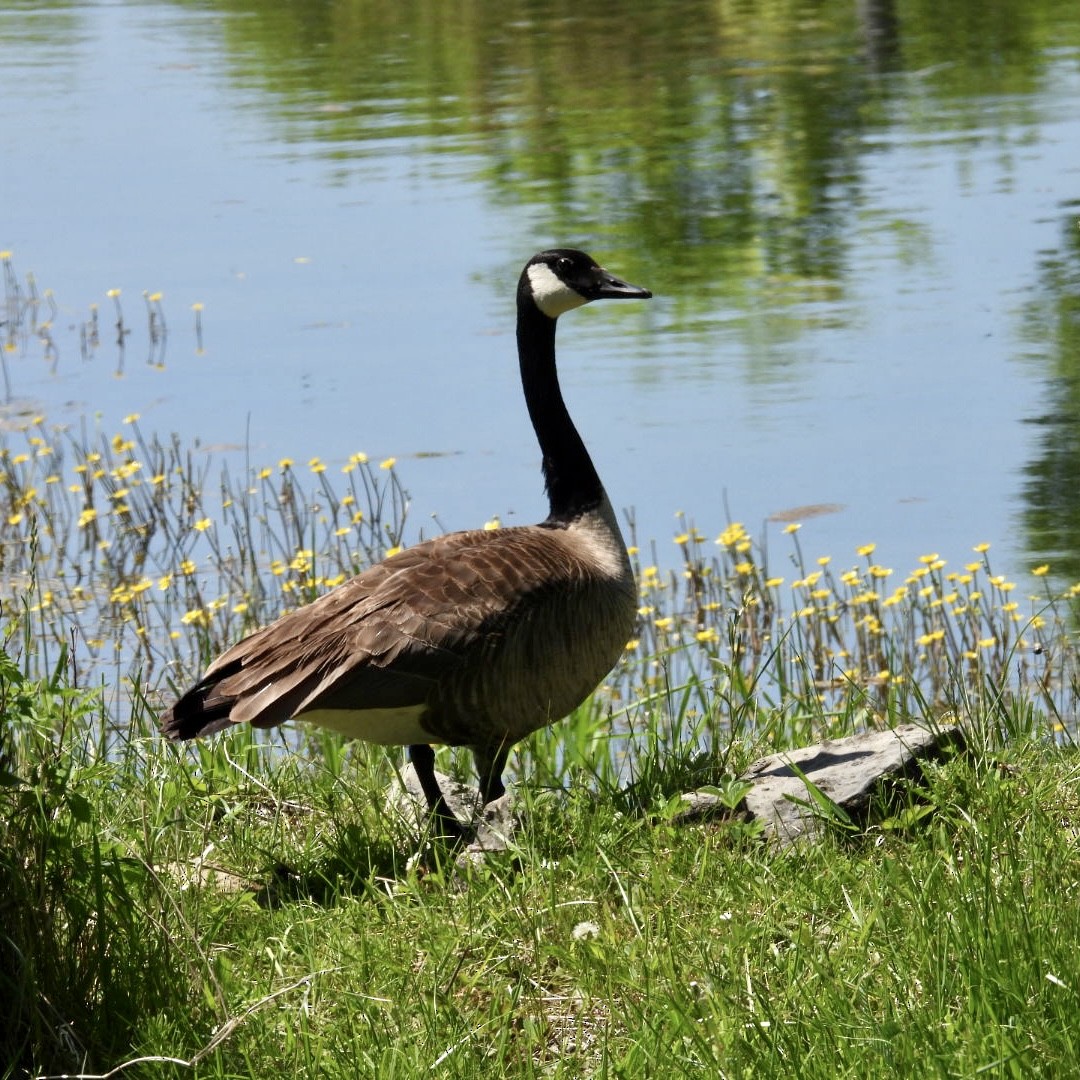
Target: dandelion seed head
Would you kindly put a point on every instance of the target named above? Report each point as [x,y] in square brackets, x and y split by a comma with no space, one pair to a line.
[585,931]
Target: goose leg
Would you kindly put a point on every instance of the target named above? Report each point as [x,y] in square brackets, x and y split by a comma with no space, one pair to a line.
[490,763]
[422,757]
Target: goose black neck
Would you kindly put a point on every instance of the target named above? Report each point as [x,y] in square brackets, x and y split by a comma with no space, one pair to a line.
[572,484]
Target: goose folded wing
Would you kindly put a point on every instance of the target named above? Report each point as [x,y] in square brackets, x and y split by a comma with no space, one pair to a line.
[379,641]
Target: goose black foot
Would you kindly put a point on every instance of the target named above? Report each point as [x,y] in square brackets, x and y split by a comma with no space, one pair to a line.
[443,822]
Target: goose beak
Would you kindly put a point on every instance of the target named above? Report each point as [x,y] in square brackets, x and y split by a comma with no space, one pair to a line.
[609,287]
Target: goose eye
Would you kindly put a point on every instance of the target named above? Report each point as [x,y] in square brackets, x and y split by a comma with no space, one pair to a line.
[565,264]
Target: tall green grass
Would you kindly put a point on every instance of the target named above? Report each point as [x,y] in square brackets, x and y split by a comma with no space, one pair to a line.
[249,912]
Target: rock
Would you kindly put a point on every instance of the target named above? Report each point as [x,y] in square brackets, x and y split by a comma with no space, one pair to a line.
[847,772]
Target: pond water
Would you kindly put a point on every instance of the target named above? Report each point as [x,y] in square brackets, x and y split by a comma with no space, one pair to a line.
[859,223]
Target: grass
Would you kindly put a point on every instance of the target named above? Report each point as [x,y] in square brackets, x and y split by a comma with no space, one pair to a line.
[234,909]
[254,913]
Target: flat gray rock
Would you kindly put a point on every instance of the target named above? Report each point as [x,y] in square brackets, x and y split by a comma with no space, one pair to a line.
[848,772]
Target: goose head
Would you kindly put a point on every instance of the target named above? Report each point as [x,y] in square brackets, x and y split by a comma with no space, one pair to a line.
[561,279]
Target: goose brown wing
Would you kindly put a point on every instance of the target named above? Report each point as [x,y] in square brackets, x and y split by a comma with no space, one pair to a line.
[381,640]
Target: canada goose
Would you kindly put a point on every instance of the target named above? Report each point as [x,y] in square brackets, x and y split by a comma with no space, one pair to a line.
[471,639]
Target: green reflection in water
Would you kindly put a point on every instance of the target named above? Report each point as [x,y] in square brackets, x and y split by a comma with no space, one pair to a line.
[723,141]
[1052,490]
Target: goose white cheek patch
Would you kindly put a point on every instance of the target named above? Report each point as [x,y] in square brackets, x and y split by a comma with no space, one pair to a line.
[552,295]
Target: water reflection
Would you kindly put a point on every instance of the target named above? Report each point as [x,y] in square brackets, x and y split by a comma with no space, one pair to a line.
[723,141]
[750,159]
[1052,489]
[880,30]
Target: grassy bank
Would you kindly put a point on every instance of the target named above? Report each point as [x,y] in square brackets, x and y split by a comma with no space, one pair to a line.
[239,911]
[236,909]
